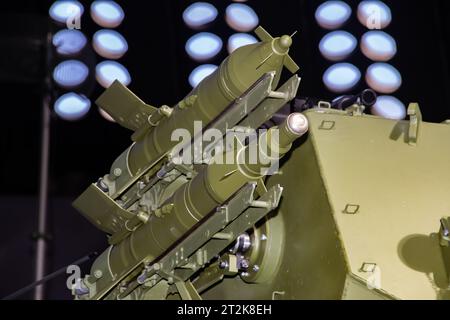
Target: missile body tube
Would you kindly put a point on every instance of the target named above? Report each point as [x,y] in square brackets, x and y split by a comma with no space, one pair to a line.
[211,188]
[213,95]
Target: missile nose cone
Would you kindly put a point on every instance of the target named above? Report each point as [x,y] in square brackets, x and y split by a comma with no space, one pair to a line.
[282,45]
[285,42]
[298,124]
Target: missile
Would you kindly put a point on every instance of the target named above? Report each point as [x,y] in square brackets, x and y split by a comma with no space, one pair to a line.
[153,127]
[234,76]
[210,98]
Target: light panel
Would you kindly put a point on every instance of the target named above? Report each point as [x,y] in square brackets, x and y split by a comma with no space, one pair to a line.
[199,14]
[200,73]
[107,14]
[333,14]
[383,78]
[107,72]
[390,108]
[72,106]
[109,44]
[337,45]
[70,73]
[203,46]
[69,42]
[378,46]
[241,17]
[341,77]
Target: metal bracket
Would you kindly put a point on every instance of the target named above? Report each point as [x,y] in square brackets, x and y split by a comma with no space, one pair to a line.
[187,291]
[269,107]
[209,240]
[415,122]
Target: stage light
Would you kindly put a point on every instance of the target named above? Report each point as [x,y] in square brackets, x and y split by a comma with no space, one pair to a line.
[383,78]
[238,40]
[333,14]
[72,106]
[374,14]
[107,72]
[241,17]
[341,77]
[69,42]
[337,45]
[65,11]
[203,46]
[378,46]
[107,14]
[109,44]
[105,115]
[70,73]
[199,14]
[390,108]
[200,73]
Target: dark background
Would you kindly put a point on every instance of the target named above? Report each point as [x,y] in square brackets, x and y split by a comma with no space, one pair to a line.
[82,151]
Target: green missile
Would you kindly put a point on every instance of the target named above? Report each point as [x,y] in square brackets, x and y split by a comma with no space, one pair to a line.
[207,101]
[194,201]
[153,127]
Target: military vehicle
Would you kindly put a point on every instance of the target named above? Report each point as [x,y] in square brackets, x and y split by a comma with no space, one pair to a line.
[282,202]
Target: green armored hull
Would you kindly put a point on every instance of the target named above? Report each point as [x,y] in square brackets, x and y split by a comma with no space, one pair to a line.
[360,214]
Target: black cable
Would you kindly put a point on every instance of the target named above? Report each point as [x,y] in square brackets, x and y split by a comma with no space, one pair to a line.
[51,276]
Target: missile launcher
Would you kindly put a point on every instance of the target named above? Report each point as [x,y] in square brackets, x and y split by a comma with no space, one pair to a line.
[235,194]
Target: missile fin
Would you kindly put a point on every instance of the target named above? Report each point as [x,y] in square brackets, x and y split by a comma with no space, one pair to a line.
[263,35]
[290,64]
[125,107]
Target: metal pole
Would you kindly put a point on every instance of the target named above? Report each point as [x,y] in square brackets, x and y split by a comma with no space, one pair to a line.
[43,199]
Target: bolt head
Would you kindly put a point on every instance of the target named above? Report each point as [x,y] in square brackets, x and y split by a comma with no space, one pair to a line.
[117,172]
[98,274]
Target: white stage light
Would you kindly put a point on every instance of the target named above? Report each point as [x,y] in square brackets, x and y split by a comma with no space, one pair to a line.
[107,72]
[374,15]
[341,77]
[238,40]
[241,17]
[378,46]
[70,73]
[72,106]
[66,11]
[203,46]
[199,14]
[107,14]
[337,45]
[390,108]
[109,44]
[200,73]
[383,78]
[333,14]
[69,42]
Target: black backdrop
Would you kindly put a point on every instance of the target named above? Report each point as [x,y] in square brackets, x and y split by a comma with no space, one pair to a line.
[82,151]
